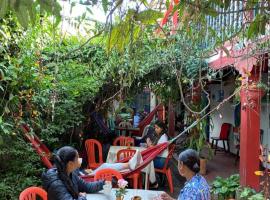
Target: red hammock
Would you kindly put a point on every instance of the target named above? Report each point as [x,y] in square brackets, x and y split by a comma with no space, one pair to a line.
[147,155]
[146,121]
[38,146]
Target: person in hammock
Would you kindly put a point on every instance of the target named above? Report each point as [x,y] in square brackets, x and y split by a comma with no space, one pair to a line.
[159,137]
[196,187]
[63,183]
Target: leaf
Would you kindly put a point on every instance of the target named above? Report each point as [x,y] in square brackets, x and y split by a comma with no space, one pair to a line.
[227,4]
[89,10]
[167,4]
[105,5]
[3,7]
[72,6]
[21,16]
[148,16]
[253,28]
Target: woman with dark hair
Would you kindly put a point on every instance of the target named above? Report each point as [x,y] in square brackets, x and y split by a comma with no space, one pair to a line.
[62,183]
[196,187]
[159,137]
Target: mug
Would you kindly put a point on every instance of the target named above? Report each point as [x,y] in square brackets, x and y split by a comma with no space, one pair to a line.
[107,189]
[136,198]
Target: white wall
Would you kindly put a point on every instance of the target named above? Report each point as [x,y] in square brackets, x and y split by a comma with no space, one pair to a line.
[265,123]
[226,111]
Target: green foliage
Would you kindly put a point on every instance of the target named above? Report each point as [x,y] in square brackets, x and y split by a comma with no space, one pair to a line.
[225,188]
[20,167]
[26,11]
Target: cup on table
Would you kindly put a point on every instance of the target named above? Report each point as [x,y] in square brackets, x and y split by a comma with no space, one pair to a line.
[136,198]
[107,188]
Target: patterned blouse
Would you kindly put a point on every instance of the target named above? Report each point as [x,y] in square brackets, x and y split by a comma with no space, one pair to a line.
[195,189]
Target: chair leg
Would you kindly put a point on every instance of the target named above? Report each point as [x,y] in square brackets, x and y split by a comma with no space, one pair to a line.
[170,181]
[135,181]
[228,144]
[216,146]
[224,147]
[212,144]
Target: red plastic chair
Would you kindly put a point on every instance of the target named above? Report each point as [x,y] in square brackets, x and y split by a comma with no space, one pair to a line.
[123,141]
[126,153]
[90,145]
[166,170]
[107,175]
[32,193]
[223,136]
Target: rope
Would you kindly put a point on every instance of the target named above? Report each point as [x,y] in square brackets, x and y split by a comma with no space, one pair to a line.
[203,117]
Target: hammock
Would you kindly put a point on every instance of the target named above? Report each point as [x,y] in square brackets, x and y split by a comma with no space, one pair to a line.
[147,155]
[98,118]
[38,146]
[147,120]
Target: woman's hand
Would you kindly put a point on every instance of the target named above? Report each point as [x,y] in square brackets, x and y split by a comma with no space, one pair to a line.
[149,142]
[165,196]
[83,194]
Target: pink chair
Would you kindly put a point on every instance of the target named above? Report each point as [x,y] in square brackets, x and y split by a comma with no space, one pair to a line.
[32,193]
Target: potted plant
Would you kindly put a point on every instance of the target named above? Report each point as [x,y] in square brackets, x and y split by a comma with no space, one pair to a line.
[244,193]
[225,188]
[197,141]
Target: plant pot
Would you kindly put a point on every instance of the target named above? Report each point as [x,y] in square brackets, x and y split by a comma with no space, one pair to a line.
[203,162]
[120,198]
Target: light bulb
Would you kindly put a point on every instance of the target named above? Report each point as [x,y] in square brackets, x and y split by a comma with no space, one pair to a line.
[220,116]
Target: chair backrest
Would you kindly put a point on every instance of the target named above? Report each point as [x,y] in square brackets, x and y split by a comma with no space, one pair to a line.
[107,175]
[125,153]
[90,145]
[123,141]
[170,154]
[125,124]
[32,193]
[225,131]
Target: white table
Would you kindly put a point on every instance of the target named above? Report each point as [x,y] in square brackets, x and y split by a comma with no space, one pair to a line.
[144,194]
[112,158]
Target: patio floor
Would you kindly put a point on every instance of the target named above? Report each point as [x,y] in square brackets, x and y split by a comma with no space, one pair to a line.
[221,165]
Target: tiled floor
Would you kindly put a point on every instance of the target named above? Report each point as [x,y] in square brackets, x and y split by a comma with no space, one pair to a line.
[221,165]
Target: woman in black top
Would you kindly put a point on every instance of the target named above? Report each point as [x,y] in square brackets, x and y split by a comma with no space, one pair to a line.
[62,183]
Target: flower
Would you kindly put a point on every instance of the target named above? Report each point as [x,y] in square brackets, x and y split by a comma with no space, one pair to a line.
[122,184]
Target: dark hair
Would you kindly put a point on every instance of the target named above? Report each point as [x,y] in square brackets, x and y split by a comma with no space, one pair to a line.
[61,159]
[190,158]
[161,125]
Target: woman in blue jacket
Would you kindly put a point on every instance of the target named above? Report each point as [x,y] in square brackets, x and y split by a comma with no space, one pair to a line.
[62,183]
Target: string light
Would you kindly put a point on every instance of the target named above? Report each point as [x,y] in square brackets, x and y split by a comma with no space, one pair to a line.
[220,116]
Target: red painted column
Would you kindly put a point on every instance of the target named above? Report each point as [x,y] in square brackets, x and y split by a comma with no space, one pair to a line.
[250,134]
